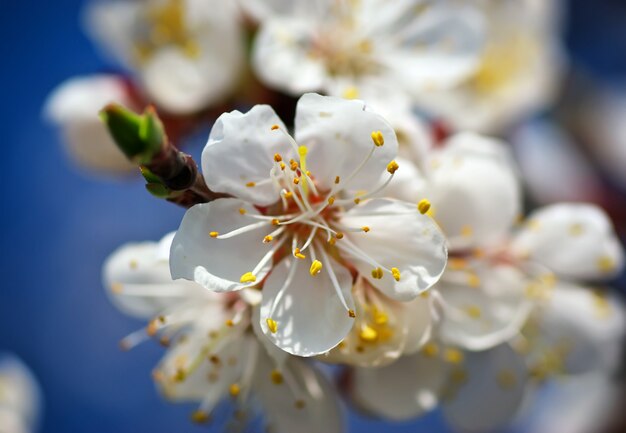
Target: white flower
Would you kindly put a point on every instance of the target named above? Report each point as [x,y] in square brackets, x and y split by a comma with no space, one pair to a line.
[302,223]
[382,52]
[20,397]
[186,53]
[74,107]
[214,354]
[518,74]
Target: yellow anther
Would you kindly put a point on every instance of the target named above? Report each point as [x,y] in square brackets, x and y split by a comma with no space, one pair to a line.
[430,350]
[248,277]
[293,164]
[380,318]
[214,234]
[331,200]
[456,264]
[277,157]
[298,255]
[277,377]
[453,356]
[377,138]
[339,235]
[288,195]
[133,264]
[242,211]
[250,184]
[467,231]
[117,288]
[365,229]
[296,180]
[271,325]
[275,127]
[392,167]
[351,313]
[214,359]
[423,206]
[275,222]
[267,239]
[200,417]
[377,273]
[316,268]
[473,280]
[337,179]
[368,334]
[332,241]
[576,229]
[282,165]
[234,390]
[229,323]
[308,172]
[351,93]
[473,311]
[396,274]
[606,264]
[357,200]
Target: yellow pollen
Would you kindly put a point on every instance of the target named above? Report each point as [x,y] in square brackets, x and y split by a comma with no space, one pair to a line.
[308,173]
[339,235]
[282,165]
[293,165]
[396,273]
[275,127]
[288,195]
[380,318]
[248,277]
[453,356]
[277,157]
[200,417]
[272,325]
[377,138]
[606,264]
[331,200]
[214,234]
[473,311]
[423,206]
[392,167]
[332,240]
[368,334]
[297,254]
[296,180]
[351,93]
[466,231]
[275,222]
[242,211]
[267,239]
[456,264]
[250,184]
[229,323]
[234,390]
[365,229]
[337,179]
[430,350]
[277,377]
[377,273]
[351,313]
[357,200]
[316,268]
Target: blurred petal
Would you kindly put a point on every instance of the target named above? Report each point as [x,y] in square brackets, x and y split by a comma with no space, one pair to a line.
[20,396]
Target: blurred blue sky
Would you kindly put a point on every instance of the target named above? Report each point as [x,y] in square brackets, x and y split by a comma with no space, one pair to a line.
[60,225]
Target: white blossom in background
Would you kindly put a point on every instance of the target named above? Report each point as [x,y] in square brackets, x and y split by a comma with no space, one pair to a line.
[303,220]
[214,355]
[20,397]
[385,53]
[519,71]
[187,54]
[74,108]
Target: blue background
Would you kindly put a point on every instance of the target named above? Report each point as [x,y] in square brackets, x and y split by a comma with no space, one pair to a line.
[60,224]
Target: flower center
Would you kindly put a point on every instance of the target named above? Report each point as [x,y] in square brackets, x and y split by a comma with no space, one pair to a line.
[165,24]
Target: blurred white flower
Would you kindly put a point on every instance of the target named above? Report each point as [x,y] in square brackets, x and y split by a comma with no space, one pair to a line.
[188,54]
[518,74]
[382,52]
[74,108]
[214,354]
[303,222]
[20,397]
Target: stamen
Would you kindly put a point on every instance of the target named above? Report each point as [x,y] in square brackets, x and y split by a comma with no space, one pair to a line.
[248,277]
[333,279]
[396,273]
[297,254]
[278,157]
[316,268]
[271,325]
[392,167]
[214,234]
[378,139]
[240,230]
[281,292]
[368,334]
[251,184]
[423,206]
[377,273]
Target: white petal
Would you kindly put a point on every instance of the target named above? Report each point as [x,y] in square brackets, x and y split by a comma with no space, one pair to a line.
[20,400]
[586,327]
[484,305]
[338,134]
[240,150]
[310,316]
[138,281]
[302,384]
[218,264]
[474,190]
[403,390]
[487,391]
[74,107]
[282,59]
[573,240]
[399,237]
